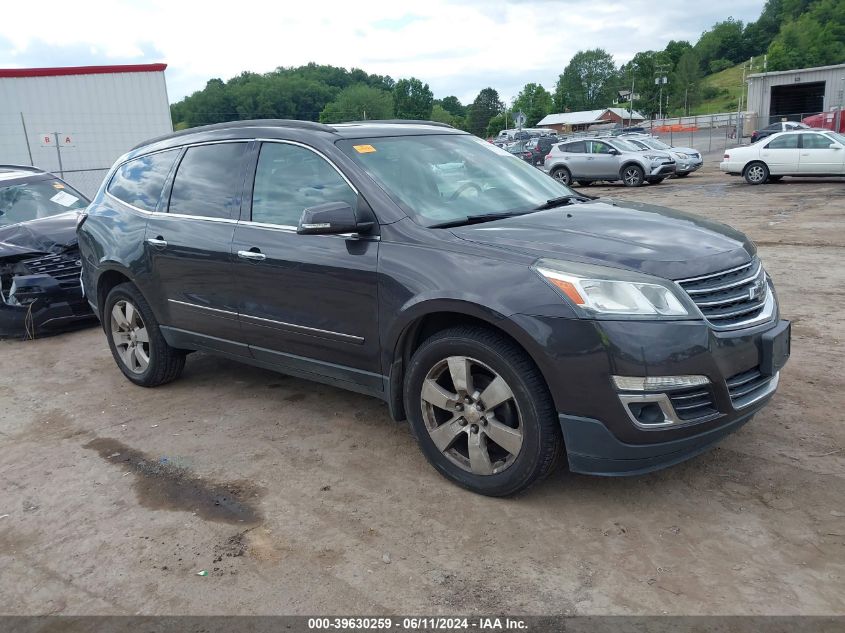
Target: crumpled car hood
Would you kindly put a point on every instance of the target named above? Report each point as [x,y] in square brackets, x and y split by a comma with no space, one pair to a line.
[54,234]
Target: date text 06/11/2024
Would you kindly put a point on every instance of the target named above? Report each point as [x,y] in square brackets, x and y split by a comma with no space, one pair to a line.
[417,623]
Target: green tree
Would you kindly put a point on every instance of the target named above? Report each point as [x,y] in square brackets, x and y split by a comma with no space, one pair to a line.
[453,105]
[643,69]
[497,124]
[486,105]
[358,102]
[675,50]
[535,101]
[588,82]
[725,40]
[815,38]
[440,114]
[685,83]
[412,99]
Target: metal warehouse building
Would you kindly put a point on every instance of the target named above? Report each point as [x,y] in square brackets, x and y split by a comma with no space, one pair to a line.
[795,94]
[76,121]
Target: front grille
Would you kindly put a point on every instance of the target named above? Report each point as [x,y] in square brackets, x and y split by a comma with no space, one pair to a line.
[731,297]
[746,386]
[692,403]
[64,268]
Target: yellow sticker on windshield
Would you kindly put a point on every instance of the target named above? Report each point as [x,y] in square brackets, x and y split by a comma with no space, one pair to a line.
[364,149]
[58,185]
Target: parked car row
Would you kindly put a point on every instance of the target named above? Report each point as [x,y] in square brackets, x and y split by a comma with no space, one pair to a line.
[608,159]
[799,152]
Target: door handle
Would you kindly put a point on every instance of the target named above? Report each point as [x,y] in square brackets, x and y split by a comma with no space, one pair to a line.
[255,256]
[158,242]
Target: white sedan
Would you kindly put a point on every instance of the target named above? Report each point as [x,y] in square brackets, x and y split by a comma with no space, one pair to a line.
[798,153]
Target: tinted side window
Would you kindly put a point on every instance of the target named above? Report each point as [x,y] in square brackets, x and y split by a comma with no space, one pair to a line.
[139,181]
[790,141]
[208,180]
[290,178]
[815,141]
[577,146]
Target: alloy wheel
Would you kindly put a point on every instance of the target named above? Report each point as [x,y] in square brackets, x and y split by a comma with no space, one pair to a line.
[756,173]
[562,175]
[471,415]
[632,176]
[130,336]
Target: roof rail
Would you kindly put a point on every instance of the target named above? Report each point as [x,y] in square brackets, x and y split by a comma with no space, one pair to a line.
[290,123]
[31,168]
[397,122]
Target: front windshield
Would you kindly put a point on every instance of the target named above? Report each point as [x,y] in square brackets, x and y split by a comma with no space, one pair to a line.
[26,201]
[837,137]
[442,178]
[624,145]
[653,143]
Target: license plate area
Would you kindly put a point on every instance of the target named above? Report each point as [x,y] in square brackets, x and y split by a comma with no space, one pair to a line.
[776,347]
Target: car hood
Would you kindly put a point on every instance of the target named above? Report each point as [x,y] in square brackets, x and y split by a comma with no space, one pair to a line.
[686,150]
[53,234]
[634,236]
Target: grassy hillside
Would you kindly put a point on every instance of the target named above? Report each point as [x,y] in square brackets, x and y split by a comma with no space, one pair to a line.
[721,91]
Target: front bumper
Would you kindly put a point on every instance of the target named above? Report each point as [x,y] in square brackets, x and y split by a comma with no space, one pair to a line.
[687,167]
[662,169]
[579,357]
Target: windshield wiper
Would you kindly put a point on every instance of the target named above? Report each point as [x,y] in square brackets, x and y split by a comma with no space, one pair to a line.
[562,201]
[477,219]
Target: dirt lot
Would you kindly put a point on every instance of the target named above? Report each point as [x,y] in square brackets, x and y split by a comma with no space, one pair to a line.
[302,499]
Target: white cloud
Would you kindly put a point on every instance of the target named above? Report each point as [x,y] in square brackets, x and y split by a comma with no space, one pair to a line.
[457,47]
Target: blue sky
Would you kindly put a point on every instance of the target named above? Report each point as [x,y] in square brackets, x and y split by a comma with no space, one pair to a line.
[458,47]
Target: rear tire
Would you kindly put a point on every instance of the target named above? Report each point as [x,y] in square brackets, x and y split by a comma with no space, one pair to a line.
[481,411]
[755,173]
[563,175]
[135,339]
[632,176]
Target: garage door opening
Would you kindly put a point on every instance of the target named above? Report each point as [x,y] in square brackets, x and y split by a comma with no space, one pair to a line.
[795,101]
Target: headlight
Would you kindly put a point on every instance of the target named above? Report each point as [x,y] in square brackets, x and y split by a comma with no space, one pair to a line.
[653,157]
[601,291]
[681,155]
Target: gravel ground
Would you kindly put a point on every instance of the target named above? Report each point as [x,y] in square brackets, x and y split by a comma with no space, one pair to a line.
[299,498]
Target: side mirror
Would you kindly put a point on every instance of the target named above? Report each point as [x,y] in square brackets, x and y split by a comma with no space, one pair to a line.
[330,218]
[835,146]
[614,152]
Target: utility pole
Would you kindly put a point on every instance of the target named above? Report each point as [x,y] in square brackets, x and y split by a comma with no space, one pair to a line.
[661,79]
[631,100]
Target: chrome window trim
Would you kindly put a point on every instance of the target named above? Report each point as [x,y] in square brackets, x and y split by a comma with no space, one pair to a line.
[312,149]
[127,204]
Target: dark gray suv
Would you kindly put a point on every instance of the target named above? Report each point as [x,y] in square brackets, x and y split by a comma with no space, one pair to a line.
[509,319]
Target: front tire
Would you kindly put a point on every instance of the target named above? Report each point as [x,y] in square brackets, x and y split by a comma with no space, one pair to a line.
[585,183]
[683,175]
[563,175]
[655,181]
[135,339]
[481,411]
[633,176]
[756,173]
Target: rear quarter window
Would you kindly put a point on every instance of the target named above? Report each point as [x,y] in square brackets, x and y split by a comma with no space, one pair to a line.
[139,181]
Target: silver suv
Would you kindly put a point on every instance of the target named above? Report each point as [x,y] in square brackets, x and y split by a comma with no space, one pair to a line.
[589,160]
[687,159]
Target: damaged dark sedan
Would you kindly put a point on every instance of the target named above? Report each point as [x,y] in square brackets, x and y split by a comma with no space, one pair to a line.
[40,290]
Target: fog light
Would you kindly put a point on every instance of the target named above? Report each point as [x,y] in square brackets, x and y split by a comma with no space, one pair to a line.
[657,383]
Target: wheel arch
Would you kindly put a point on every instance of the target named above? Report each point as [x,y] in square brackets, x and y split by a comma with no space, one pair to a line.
[427,321]
[106,280]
